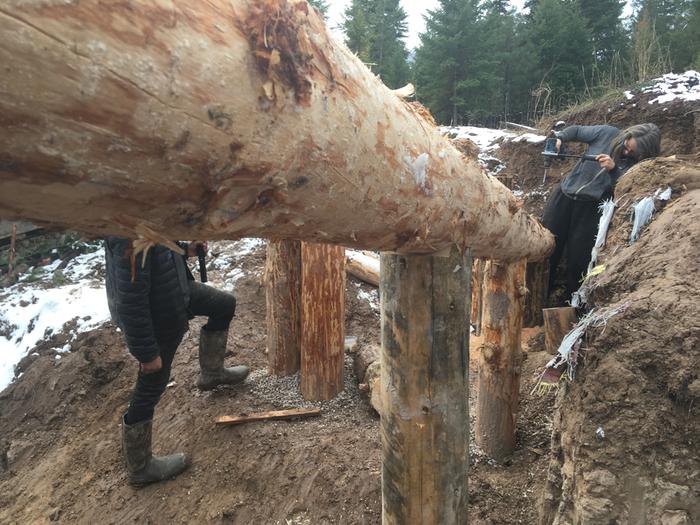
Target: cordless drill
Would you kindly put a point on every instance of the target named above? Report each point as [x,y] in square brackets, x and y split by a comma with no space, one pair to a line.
[550,153]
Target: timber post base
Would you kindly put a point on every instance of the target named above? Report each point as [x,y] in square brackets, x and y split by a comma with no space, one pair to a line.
[425,378]
[500,359]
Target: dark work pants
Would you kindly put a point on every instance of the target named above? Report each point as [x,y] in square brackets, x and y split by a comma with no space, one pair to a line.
[219,307]
[574,224]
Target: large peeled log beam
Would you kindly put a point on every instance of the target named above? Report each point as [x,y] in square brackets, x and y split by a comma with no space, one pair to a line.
[283,299]
[224,119]
[424,379]
[500,358]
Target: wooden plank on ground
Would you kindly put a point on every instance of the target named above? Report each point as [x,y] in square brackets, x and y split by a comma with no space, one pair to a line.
[263,416]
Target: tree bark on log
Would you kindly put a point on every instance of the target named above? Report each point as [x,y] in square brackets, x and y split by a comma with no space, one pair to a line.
[367,366]
[283,298]
[424,377]
[536,280]
[477,308]
[500,359]
[322,320]
[557,323]
[205,120]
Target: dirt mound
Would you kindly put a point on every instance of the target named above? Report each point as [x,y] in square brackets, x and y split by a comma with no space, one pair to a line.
[678,119]
[466,147]
[625,441]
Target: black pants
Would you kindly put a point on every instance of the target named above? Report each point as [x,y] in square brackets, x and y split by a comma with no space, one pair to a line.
[219,307]
[574,224]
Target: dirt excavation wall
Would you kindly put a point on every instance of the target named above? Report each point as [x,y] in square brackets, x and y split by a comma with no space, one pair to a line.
[626,441]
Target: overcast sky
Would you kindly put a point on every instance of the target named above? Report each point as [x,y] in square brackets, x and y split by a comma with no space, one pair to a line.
[415,9]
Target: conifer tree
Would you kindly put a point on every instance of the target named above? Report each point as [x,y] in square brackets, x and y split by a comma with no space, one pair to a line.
[563,44]
[321,5]
[603,20]
[375,30]
[451,61]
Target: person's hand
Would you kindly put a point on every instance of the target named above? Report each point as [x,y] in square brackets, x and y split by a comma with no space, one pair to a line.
[605,162]
[152,366]
[558,145]
[192,248]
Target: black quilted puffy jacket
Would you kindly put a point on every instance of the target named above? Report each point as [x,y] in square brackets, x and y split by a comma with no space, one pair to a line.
[155,305]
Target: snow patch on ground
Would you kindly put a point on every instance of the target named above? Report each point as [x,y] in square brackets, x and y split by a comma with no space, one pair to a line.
[225,253]
[670,87]
[372,296]
[489,140]
[225,258]
[46,298]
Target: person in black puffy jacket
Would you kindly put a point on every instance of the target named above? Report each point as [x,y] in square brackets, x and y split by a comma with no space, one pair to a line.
[572,210]
[151,298]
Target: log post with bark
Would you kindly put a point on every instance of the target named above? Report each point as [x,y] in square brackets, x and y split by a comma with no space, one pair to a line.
[283,299]
[500,358]
[424,379]
[226,119]
[477,308]
[536,280]
[557,323]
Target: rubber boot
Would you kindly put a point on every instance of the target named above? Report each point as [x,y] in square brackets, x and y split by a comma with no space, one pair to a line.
[212,347]
[142,465]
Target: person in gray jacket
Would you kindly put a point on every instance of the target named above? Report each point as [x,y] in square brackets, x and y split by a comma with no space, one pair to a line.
[572,211]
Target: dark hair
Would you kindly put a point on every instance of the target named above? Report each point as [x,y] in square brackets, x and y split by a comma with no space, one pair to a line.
[648,137]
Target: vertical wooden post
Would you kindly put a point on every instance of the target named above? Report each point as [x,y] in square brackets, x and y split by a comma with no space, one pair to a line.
[11,255]
[500,359]
[322,320]
[557,323]
[477,291]
[425,301]
[536,281]
[282,291]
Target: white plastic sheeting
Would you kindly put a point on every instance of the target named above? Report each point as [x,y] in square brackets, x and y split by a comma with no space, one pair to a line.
[642,213]
[607,209]
[568,351]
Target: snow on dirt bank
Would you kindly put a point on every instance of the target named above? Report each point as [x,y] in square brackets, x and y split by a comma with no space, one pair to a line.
[44,300]
[489,141]
[670,87]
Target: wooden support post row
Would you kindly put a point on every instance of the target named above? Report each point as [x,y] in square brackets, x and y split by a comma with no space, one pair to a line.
[500,358]
[305,288]
[425,302]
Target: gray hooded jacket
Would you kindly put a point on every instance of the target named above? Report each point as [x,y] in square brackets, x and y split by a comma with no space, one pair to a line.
[588,181]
